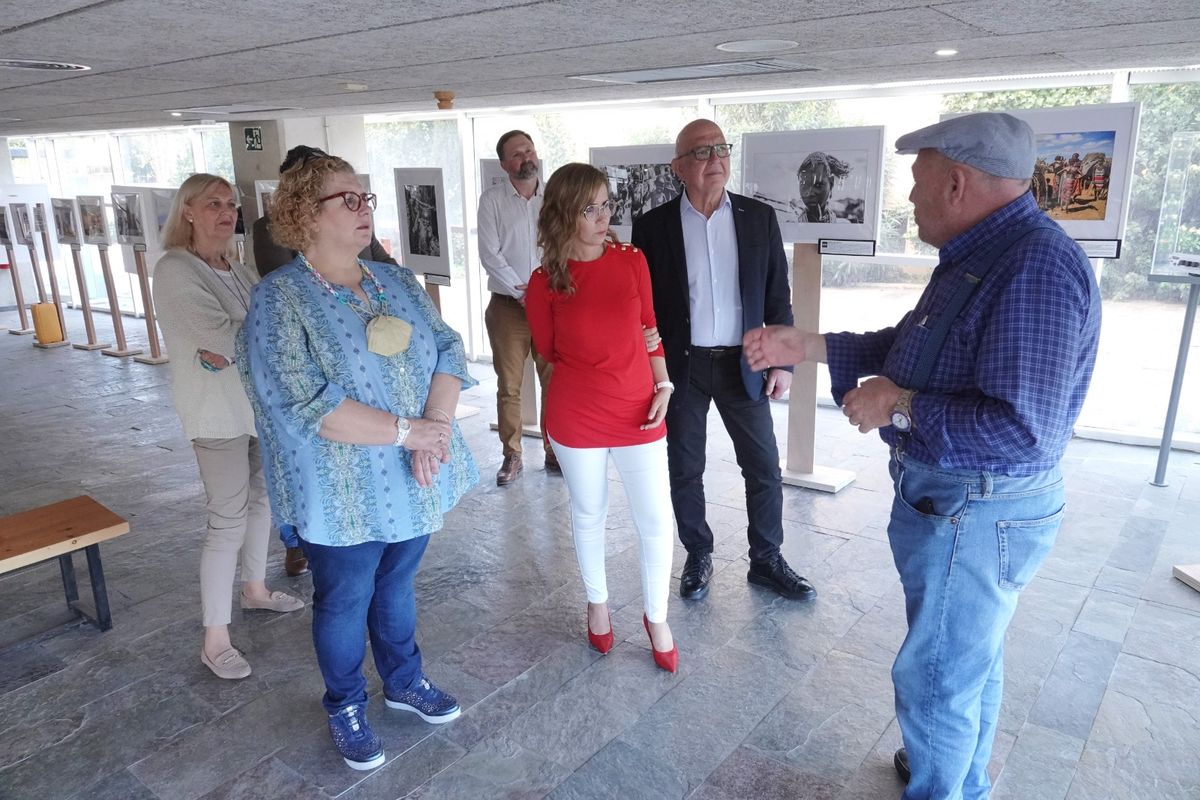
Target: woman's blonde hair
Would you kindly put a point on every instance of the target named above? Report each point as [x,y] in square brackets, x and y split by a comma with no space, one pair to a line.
[294,206]
[567,193]
[177,232]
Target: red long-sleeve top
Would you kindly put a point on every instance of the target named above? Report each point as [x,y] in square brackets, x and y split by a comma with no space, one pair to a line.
[602,386]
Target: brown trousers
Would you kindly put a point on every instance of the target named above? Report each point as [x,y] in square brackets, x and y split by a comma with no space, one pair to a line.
[508,332]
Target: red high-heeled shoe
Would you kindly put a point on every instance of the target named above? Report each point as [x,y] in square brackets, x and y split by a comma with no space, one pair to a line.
[601,641]
[665,659]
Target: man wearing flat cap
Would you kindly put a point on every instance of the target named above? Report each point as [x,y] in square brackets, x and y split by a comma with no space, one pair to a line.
[976,392]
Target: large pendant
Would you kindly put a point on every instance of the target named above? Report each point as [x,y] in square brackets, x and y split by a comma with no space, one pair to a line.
[387,335]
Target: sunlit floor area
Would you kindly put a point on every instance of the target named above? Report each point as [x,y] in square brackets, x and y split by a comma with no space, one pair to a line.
[772,699]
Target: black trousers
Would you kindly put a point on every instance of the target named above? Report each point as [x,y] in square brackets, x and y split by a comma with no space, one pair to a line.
[716,377]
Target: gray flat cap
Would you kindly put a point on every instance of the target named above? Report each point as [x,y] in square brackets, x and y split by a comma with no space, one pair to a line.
[998,144]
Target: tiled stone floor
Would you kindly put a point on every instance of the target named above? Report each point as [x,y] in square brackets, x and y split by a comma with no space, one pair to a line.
[772,700]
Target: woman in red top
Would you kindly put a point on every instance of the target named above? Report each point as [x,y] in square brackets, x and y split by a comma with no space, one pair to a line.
[587,306]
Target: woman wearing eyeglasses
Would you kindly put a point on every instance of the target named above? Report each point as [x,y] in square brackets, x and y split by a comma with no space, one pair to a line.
[201,292]
[354,379]
[587,306]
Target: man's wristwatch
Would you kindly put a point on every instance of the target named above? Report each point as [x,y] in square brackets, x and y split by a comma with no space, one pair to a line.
[403,426]
[902,412]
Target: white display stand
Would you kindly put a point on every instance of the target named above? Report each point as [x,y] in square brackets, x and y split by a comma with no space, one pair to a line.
[800,467]
[25,328]
[156,355]
[433,288]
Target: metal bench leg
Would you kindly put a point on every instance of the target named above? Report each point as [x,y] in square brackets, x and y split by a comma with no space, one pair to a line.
[67,567]
[99,590]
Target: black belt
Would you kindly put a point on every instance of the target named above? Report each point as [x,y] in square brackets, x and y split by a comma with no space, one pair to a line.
[717,352]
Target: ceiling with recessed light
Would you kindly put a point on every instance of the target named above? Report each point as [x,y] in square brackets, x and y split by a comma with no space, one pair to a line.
[276,58]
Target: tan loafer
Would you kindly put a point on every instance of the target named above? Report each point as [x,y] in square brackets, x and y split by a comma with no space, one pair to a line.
[230,664]
[278,601]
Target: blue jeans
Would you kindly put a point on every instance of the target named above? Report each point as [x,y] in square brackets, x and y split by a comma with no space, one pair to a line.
[288,535]
[965,543]
[370,586]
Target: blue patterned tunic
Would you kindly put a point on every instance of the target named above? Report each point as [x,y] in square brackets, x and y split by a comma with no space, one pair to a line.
[301,352]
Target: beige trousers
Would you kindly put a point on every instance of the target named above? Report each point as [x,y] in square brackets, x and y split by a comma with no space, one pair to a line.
[239,521]
[508,332]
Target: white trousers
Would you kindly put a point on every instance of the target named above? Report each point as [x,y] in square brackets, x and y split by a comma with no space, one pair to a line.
[643,470]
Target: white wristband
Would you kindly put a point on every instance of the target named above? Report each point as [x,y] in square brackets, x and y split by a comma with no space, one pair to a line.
[670,387]
[403,427]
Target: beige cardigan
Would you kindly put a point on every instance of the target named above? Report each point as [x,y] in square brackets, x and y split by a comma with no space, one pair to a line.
[197,311]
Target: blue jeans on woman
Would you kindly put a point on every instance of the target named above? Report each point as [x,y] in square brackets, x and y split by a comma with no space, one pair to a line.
[370,586]
[965,543]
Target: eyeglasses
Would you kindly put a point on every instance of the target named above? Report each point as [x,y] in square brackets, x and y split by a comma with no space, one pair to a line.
[593,212]
[353,200]
[704,152]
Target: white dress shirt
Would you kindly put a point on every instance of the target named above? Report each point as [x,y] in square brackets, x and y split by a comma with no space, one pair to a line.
[714,291]
[508,237]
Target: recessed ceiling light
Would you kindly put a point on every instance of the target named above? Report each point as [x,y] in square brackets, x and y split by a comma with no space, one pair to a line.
[176,113]
[758,46]
[354,87]
[946,51]
[52,66]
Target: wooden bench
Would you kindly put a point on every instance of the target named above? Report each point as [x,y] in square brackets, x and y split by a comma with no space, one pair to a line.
[57,531]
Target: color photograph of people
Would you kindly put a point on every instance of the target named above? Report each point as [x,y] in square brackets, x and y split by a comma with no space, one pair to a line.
[423,237]
[637,188]
[824,187]
[1072,174]
[91,215]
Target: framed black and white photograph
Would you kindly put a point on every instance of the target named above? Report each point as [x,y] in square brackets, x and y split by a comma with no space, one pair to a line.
[6,237]
[639,178]
[421,207]
[823,184]
[65,221]
[490,173]
[91,218]
[127,209]
[1084,162]
[22,223]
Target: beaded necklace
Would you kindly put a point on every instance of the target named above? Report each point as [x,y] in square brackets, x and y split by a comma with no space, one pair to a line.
[386,335]
[347,295]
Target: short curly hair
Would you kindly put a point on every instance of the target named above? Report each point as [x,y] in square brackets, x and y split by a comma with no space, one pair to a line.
[294,207]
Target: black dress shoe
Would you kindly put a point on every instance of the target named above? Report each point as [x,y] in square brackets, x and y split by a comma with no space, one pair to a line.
[901,762]
[697,572]
[778,576]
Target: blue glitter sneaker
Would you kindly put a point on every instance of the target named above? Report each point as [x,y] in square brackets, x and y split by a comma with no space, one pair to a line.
[426,701]
[354,739]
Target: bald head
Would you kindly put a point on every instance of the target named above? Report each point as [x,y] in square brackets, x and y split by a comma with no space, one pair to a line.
[696,129]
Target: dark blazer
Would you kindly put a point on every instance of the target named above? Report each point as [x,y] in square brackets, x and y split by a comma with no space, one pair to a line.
[270,256]
[762,273]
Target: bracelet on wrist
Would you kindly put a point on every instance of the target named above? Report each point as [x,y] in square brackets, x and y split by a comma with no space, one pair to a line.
[403,427]
[444,416]
[670,387]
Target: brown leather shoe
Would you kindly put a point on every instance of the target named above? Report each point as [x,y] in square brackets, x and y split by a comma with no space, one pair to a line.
[294,563]
[552,465]
[510,470]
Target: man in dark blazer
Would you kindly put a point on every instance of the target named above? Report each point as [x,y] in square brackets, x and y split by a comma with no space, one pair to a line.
[718,270]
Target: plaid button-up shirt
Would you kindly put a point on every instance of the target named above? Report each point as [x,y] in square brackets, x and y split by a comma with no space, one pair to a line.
[1009,383]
